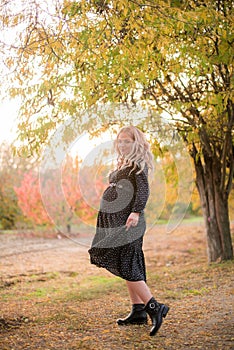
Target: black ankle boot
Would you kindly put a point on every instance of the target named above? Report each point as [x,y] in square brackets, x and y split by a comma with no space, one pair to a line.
[156,311]
[138,315]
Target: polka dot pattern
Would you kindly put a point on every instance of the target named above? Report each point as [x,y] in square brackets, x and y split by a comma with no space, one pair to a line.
[113,248]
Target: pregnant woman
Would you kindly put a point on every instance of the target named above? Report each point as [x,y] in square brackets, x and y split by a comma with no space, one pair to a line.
[117,244]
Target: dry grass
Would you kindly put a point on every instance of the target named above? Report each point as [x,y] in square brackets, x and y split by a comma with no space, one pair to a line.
[52,298]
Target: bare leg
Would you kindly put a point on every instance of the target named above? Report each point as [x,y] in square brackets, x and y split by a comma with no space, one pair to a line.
[135,299]
[139,292]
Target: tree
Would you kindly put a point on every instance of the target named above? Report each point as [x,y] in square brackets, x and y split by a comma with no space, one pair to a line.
[29,199]
[174,56]
[9,209]
[44,203]
[10,175]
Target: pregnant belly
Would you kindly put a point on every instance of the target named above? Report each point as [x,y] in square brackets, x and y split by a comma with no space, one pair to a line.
[116,199]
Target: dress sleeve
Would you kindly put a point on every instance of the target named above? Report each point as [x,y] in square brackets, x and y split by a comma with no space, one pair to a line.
[141,191]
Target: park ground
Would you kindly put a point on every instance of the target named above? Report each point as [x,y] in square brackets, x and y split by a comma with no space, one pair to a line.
[52,298]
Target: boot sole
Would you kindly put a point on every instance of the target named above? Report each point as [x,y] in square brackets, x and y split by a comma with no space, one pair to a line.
[132,322]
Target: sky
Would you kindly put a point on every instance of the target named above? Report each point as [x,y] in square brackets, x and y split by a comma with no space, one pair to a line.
[8,110]
[8,115]
[84,146]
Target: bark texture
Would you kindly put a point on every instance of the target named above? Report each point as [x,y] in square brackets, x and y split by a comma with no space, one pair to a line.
[215,208]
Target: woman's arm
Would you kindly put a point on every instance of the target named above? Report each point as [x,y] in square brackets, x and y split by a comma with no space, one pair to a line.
[141,192]
[141,197]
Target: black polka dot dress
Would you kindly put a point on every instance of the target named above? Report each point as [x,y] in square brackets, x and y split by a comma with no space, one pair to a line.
[114,248]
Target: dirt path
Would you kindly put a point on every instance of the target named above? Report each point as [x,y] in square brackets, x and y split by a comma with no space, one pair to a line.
[52,298]
[23,253]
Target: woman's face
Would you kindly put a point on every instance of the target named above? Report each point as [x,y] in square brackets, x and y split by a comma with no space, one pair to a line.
[125,143]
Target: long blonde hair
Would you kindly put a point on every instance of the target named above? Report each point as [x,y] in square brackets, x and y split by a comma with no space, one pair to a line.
[140,155]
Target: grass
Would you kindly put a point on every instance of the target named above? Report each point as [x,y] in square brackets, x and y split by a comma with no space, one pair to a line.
[187,220]
[76,309]
[200,291]
[73,311]
[94,287]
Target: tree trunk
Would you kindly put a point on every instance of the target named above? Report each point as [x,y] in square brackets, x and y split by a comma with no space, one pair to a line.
[215,210]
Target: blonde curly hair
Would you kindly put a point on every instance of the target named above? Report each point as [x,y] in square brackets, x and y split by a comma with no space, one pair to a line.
[140,155]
